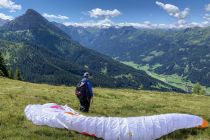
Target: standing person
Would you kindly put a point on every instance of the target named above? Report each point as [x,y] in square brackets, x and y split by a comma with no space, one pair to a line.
[84,93]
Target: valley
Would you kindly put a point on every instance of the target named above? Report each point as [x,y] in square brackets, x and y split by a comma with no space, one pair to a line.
[178,56]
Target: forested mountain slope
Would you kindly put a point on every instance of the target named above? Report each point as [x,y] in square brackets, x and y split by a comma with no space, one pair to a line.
[46,54]
[184,52]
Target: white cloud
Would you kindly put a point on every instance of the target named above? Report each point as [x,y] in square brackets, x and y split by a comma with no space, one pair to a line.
[55,17]
[207,17]
[108,23]
[5,17]
[9,4]
[173,10]
[145,24]
[105,23]
[103,15]
[206,23]
[181,23]
[207,8]
[97,12]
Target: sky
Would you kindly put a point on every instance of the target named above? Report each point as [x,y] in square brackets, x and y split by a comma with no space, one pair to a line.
[139,13]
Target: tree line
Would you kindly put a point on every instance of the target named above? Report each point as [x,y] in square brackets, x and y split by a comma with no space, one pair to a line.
[8,73]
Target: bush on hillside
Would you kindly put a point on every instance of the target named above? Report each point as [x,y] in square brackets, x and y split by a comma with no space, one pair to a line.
[197,89]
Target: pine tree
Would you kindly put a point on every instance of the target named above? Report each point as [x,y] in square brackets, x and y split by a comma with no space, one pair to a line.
[11,74]
[18,74]
[3,69]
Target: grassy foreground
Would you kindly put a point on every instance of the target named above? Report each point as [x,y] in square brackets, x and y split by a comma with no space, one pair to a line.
[15,95]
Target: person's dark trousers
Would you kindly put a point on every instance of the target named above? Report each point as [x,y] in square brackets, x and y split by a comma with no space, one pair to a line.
[84,104]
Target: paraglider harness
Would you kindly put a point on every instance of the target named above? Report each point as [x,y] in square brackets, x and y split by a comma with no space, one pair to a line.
[80,88]
[81,92]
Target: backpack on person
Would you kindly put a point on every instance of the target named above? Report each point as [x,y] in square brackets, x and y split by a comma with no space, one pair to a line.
[80,88]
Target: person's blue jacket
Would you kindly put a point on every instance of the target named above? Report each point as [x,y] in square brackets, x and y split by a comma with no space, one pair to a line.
[89,86]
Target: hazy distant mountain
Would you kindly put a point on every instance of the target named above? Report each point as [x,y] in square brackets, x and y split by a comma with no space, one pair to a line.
[44,53]
[184,52]
[2,21]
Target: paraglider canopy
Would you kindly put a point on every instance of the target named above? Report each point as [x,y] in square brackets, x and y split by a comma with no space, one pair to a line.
[112,128]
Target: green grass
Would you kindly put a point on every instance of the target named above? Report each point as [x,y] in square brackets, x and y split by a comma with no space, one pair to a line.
[15,95]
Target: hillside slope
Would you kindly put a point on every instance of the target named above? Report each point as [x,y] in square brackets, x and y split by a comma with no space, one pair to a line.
[184,52]
[15,95]
[46,54]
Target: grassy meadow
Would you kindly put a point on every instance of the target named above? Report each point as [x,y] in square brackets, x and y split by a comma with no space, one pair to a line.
[15,95]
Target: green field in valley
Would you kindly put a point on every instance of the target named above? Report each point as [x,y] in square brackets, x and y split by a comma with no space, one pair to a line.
[174,80]
[15,95]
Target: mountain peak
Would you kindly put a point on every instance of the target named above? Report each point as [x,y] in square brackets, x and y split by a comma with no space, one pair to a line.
[33,21]
[32,16]
[31,12]
[30,20]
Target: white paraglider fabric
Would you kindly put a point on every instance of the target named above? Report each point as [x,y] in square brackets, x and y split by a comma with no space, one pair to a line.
[110,128]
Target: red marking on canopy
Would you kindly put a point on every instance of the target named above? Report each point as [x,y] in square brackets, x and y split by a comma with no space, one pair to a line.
[57,107]
[87,134]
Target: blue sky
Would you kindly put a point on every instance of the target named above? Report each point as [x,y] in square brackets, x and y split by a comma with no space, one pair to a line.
[113,11]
